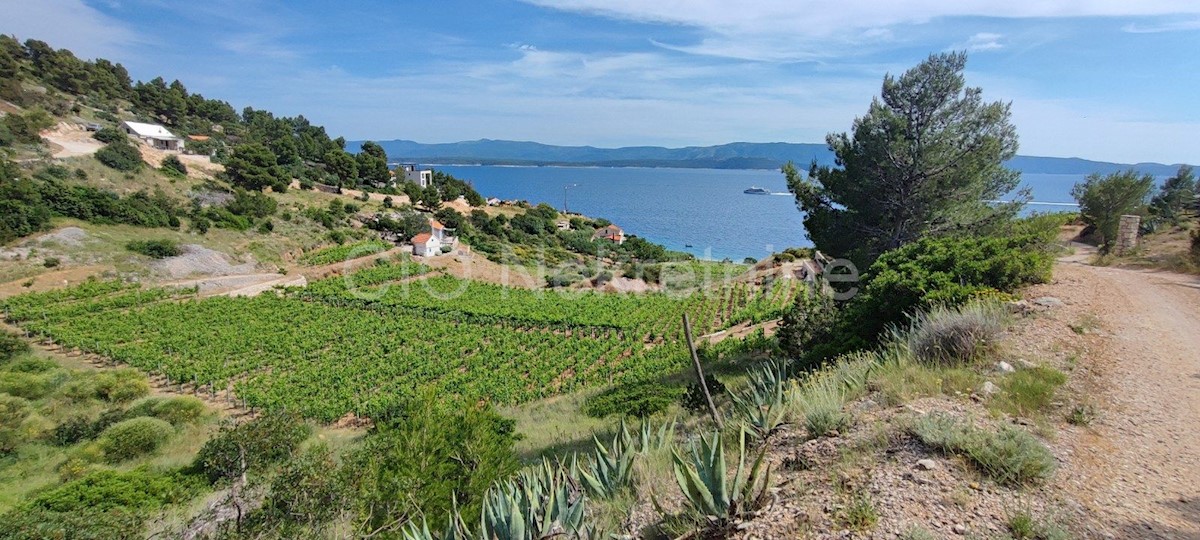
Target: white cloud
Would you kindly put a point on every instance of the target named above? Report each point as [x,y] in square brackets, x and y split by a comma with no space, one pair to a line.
[1172,26]
[983,41]
[69,24]
[789,30]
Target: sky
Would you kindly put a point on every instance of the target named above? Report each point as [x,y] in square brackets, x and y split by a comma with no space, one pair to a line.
[1110,80]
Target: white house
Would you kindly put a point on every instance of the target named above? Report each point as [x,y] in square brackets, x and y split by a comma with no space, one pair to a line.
[422,178]
[430,243]
[611,233]
[154,135]
[426,244]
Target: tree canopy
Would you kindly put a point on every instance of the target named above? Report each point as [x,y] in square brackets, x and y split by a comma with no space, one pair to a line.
[1177,195]
[926,159]
[255,167]
[1104,199]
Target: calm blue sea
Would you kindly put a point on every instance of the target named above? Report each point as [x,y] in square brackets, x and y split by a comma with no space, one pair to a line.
[700,211]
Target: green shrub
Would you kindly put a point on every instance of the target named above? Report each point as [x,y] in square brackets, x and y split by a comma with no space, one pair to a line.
[140,489]
[1009,456]
[808,323]
[51,262]
[158,249]
[36,523]
[32,365]
[133,438]
[120,155]
[173,166]
[108,135]
[250,446]
[72,430]
[412,462]
[121,385]
[955,335]
[11,345]
[13,412]
[945,271]
[693,398]
[177,410]
[634,399]
[30,385]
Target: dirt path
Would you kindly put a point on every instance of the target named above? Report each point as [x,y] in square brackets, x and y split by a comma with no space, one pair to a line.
[1136,470]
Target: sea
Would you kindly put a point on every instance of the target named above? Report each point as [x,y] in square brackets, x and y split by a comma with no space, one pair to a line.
[699,211]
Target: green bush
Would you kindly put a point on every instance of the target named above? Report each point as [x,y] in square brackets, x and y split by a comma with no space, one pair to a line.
[158,249]
[250,446]
[108,135]
[51,262]
[173,166]
[121,385]
[807,324]
[11,345]
[946,271]
[32,365]
[140,489]
[1009,456]
[13,412]
[36,523]
[133,438]
[30,385]
[72,430]
[120,155]
[424,458]
[693,398]
[641,399]
[177,410]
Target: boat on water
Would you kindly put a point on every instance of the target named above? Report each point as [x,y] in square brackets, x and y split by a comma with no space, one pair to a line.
[755,190]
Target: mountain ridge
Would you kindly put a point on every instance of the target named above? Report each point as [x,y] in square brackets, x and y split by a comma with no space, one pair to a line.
[735,155]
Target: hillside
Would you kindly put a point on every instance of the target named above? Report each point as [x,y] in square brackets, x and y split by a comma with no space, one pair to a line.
[740,155]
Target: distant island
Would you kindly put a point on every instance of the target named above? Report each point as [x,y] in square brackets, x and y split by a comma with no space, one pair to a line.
[738,155]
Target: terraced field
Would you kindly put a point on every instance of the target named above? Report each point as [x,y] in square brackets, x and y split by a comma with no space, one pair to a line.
[364,342]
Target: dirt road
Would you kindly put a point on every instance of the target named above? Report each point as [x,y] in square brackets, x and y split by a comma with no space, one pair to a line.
[1136,469]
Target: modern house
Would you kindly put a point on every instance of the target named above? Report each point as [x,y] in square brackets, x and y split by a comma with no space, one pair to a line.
[421,177]
[611,233]
[154,135]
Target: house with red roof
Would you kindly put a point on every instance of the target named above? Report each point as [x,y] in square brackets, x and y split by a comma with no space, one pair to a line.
[611,233]
[430,243]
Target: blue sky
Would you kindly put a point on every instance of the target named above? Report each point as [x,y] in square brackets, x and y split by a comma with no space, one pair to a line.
[1113,80]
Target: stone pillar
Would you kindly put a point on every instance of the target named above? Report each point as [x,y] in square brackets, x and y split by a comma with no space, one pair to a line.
[1127,235]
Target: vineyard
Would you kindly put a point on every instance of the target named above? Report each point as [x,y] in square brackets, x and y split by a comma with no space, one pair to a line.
[345,252]
[364,342]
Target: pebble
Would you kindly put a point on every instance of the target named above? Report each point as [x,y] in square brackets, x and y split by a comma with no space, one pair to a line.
[927,464]
[959,528]
[1004,367]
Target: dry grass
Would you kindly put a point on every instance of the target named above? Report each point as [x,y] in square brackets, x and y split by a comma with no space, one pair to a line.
[958,335]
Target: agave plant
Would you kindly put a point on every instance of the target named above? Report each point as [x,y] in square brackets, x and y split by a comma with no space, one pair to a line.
[762,405]
[544,502]
[610,469]
[648,440]
[705,483]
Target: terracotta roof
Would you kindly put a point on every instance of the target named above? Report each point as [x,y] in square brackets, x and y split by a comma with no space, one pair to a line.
[436,224]
[422,238]
[198,137]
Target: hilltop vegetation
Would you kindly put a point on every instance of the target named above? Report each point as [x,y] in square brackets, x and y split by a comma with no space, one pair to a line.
[433,382]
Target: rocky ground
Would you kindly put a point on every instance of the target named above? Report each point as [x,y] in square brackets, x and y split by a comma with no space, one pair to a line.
[1128,340]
